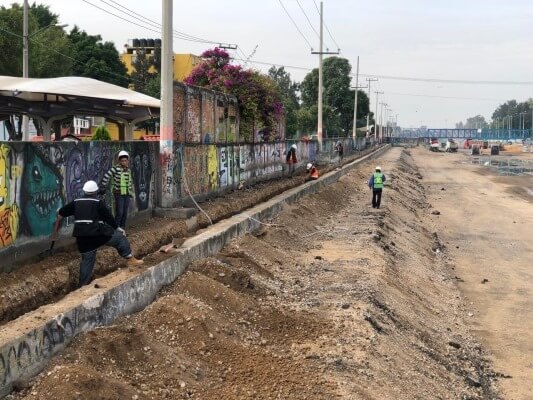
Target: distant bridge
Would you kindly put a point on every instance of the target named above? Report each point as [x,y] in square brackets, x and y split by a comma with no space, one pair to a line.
[483,134]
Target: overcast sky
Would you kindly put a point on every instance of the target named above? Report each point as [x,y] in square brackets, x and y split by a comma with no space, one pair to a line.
[469,40]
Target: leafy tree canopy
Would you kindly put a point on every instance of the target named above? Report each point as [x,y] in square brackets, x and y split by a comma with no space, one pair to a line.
[96,59]
[46,43]
[338,98]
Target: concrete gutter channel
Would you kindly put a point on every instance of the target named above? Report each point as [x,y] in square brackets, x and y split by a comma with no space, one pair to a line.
[30,341]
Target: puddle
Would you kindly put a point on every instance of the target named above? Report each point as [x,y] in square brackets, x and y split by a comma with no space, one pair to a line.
[506,165]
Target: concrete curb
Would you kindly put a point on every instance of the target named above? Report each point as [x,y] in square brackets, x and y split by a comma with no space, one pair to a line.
[27,343]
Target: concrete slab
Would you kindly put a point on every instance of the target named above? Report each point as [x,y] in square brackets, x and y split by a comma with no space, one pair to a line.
[28,342]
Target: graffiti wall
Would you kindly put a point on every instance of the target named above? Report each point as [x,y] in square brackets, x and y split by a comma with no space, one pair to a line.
[204,116]
[37,179]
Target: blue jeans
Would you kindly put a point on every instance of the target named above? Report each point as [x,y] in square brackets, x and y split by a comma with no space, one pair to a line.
[122,203]
[118,241]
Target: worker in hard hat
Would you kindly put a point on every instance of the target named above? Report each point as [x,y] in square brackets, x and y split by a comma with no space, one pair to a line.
[375,183]
[291,159]
[121,185]
[312,172]
[94,226]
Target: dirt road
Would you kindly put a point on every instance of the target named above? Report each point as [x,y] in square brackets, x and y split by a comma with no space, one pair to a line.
[486,222]
[333,300]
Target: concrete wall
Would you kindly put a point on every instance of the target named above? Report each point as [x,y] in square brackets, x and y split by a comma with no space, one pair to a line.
[38,178]
[25,351]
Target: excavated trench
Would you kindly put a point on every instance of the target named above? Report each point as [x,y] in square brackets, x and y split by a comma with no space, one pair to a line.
[331,300]
[36,284]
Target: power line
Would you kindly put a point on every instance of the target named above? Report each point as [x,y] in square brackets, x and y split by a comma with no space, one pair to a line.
[438,80]
[185,36]
[295,25]
[327,29]
[308,20]
[444,97]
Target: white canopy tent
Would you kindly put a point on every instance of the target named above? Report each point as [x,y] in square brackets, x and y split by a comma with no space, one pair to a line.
[53,99]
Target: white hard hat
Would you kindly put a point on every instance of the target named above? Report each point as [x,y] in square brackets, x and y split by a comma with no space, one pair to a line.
[294,146]
[309,165]
[90,187]
[378,168]
[123,153]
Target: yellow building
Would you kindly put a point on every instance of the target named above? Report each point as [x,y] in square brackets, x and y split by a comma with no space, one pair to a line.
[183,63]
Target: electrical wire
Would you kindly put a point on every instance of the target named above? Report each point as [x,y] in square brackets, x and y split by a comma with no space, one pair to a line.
[185,36]
[327,29]
[190,194]
[295,25]
[308,20]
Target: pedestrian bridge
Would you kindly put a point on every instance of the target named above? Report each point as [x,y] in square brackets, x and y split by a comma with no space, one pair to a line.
[483,134]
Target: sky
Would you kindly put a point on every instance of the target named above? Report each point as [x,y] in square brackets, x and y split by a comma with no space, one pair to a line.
[443,40]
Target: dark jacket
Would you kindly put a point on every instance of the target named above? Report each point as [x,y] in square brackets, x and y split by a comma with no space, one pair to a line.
[291,156]
[93,222]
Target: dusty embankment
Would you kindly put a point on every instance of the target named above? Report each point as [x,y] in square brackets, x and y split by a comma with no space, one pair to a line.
[487,222]
[332,300]
[44,282]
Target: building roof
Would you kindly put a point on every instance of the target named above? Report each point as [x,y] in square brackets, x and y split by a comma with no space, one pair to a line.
[52,97]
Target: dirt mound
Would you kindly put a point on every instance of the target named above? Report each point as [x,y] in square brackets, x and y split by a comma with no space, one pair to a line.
[332,300]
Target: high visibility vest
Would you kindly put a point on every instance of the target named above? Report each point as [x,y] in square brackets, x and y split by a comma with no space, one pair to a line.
[378,180]
[314,173]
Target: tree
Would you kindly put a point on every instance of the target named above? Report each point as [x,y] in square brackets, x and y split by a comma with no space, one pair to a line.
[338,98]
[96,59]
[477,122]
[518,113]
[289,97]
[260,101]
[101,133]
[45,47]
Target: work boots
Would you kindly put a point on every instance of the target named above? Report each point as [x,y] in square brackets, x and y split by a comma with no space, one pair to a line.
[132,261]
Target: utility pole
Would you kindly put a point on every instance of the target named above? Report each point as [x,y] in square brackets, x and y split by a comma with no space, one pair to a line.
[25,65]
[369,80]
[376,117]
[320,53]
[354,130]
[166,148]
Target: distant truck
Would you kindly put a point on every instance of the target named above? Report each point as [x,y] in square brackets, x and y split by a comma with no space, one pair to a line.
[451,146]
[434,144]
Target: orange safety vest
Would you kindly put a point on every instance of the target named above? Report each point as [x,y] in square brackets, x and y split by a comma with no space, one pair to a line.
[314,173]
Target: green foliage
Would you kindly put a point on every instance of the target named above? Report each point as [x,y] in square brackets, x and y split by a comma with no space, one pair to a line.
[101,133]
[44,44]
[338,98]
[97,59]
[514,109]
[289,97]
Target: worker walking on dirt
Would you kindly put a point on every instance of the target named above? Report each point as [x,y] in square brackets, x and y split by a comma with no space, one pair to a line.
[122,187]
[375,183]
[312,172]
[94,226]
[292,159]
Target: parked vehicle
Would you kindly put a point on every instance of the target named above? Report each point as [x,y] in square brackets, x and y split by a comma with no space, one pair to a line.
[451,146]
[434,144]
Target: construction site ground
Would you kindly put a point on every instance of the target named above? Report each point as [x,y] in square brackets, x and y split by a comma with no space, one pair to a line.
[428,297]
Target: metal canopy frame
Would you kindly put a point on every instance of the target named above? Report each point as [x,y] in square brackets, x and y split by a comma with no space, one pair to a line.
[51,107]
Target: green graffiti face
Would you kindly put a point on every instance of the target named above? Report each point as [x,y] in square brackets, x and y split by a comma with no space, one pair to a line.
[42,187]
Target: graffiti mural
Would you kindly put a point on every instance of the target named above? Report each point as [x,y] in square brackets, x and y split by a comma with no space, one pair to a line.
[142,160]
[42,189]
[212,167]
[9,213]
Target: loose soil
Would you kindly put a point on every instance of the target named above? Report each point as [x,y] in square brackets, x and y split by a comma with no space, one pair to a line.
[333,300]
[35,284]
[486,222]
